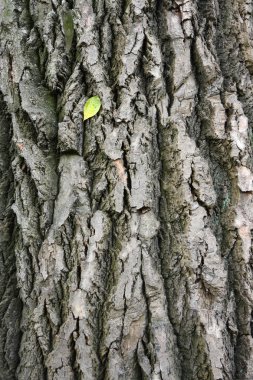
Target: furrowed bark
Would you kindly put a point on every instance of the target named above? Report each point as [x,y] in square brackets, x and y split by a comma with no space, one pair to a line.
[126,240]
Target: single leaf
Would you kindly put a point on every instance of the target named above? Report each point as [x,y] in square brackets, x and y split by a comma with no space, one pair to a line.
[91,107]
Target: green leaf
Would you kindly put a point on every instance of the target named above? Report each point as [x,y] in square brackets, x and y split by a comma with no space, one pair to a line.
[91,107]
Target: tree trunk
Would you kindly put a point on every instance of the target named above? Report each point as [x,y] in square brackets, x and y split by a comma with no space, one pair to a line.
[126,239]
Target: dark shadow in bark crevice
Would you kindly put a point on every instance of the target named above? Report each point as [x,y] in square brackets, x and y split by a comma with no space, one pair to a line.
[10,303]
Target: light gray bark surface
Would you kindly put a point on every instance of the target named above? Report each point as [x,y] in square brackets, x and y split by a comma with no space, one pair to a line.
[125,241]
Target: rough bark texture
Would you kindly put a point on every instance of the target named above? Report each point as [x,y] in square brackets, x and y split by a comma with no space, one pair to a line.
[126,240]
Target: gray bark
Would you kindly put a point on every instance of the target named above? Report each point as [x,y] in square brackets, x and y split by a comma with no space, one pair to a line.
[126,240]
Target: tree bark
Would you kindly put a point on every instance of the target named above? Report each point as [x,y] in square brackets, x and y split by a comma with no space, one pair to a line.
[126,240]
